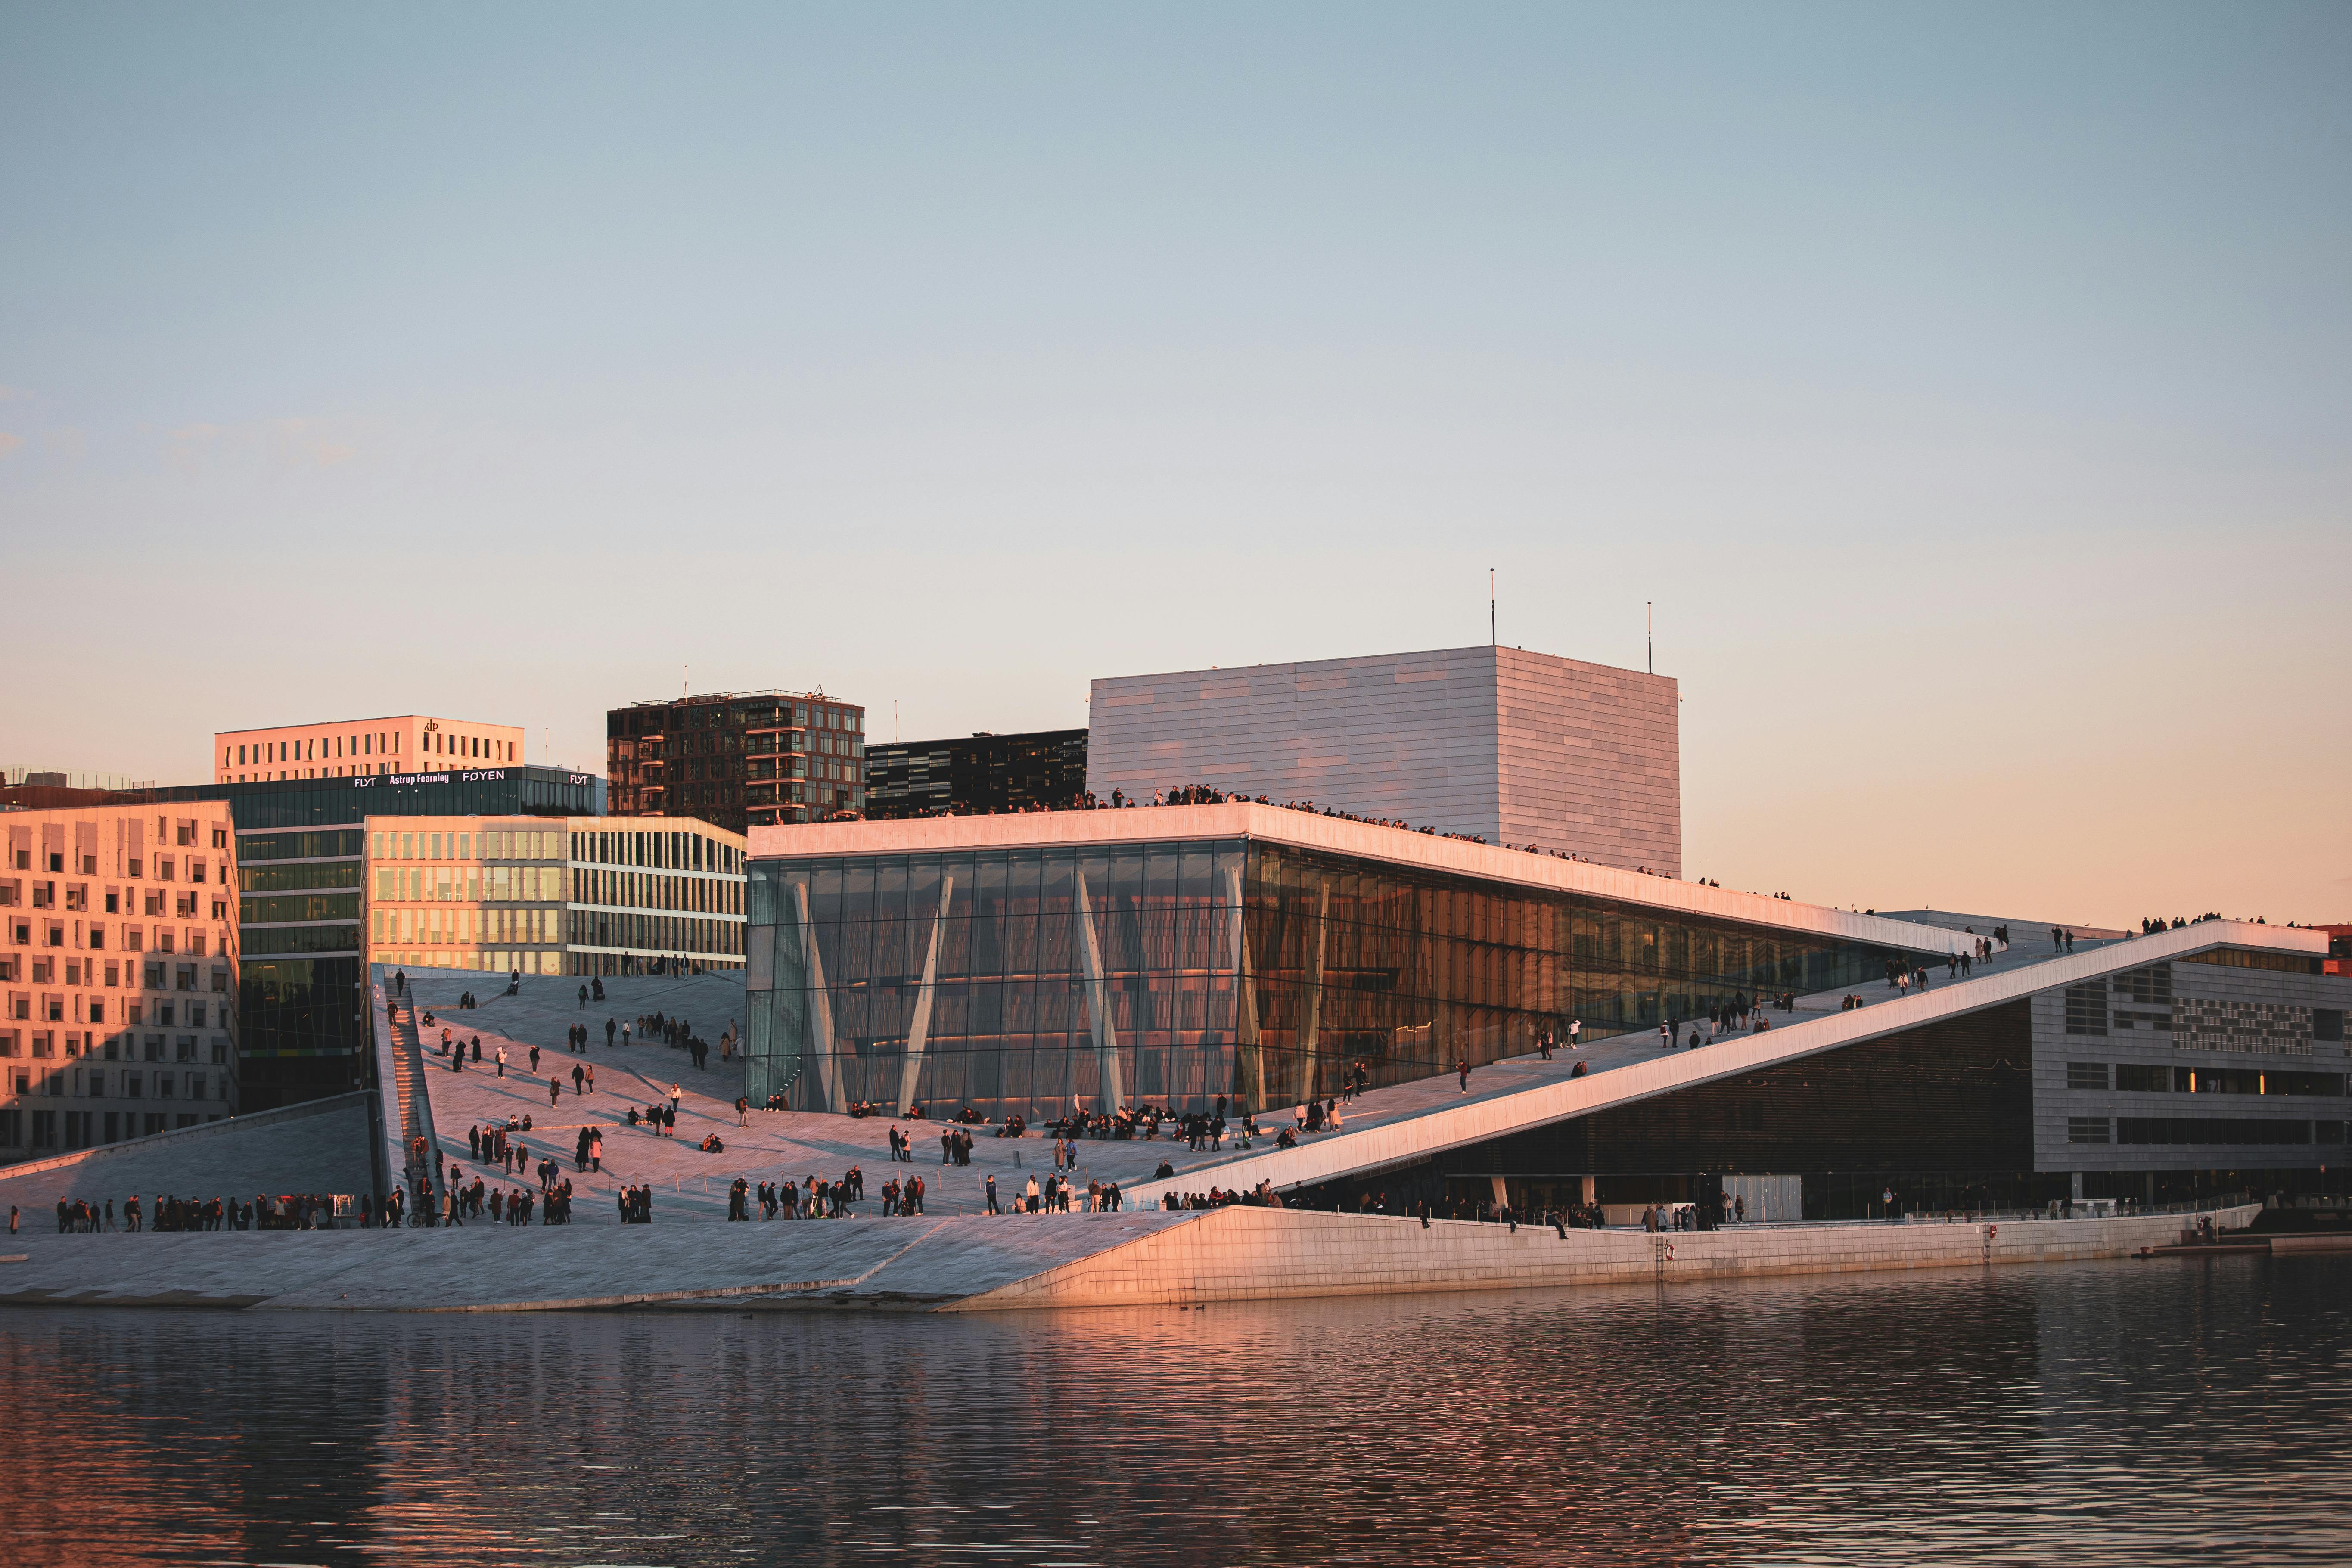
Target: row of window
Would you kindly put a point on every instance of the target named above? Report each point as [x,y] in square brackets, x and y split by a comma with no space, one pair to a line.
[495,844]
[117,901]
[492,884]
[2242,1131]
[706,894]
[2207,1023]
[546,927]
[2134,1078]
[466,926]
[751,714]
[53,1007]
[113,976]
[41,1043]
[131,939]
[657,849]
[45,893]
[311,748]
[127,1083]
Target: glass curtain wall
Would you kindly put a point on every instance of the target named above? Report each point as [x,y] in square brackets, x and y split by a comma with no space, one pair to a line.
[1035,982]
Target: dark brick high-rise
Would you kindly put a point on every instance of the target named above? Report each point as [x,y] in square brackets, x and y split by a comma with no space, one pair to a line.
[737,760]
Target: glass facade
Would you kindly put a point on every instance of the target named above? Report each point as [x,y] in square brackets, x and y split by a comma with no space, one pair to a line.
[1032,980]
[540,895]
[299,848]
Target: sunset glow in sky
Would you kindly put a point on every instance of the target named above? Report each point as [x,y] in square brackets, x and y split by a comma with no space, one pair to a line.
[1969,388]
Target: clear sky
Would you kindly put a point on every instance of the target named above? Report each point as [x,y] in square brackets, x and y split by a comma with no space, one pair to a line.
[1970,387]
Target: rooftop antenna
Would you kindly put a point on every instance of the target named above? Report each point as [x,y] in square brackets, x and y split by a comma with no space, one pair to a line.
[894,720]
[681,680]
[1492,636]
[1650,631]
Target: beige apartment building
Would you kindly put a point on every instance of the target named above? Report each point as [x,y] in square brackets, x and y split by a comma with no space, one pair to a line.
[553,895]
[118,975]
[357,748]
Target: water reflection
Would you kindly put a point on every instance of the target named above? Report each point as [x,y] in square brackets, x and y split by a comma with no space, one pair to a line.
[2125,1412]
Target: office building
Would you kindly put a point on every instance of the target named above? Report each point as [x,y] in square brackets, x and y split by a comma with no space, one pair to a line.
[581,895]
[301,850]
[738,759]
[1510,746]
[358,748]
[119,967]
[978,776]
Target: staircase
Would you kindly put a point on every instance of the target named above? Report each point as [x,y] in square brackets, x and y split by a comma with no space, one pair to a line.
[408,1076]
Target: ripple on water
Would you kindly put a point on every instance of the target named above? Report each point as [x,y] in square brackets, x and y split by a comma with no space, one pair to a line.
[2094,1414]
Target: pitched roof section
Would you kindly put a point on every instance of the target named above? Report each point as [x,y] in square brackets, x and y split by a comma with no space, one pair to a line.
[1556,1097]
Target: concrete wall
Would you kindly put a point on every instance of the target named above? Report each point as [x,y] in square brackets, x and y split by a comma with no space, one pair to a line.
[1513,746]
[1251,1254]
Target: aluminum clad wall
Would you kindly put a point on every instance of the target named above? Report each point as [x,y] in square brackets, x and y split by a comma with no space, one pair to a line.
[1516,747]
[1398,735]
[1590,759]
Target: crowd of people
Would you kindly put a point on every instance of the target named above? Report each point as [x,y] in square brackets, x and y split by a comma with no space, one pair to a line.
[290,1211]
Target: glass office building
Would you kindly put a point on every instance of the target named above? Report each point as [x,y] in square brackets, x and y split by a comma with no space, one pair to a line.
[1035,978]
[586,895]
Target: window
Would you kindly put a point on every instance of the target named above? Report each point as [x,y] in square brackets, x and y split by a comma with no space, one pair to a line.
[2240,958]
[2210,1130]
[2328,1024]
[2087,1009]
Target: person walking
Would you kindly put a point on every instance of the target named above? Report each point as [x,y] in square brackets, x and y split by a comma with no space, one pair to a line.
[596,1151]
[675,1094]
[990,1191]
[608,1034]
[742,1111]
[1462,1069]
[502,1061]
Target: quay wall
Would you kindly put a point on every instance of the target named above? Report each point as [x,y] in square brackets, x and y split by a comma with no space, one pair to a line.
[1252,1254]
[980,1263]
